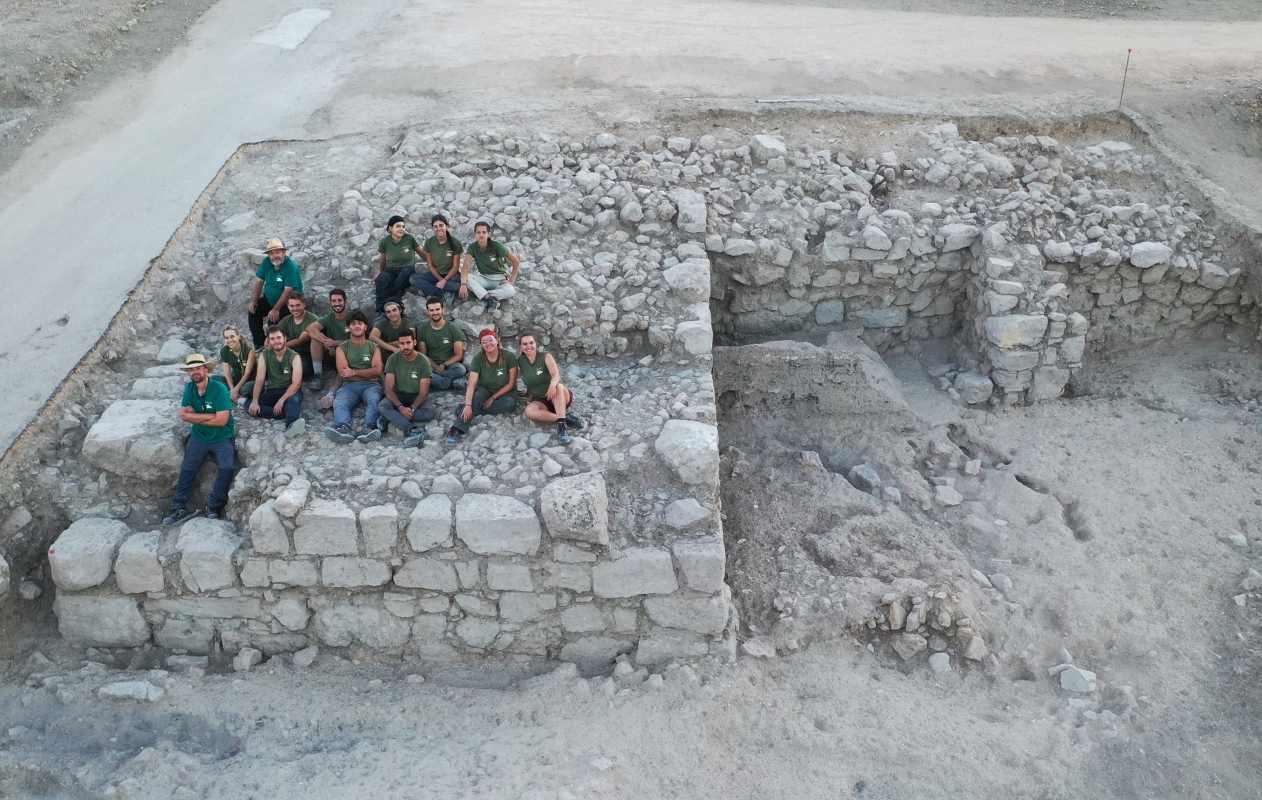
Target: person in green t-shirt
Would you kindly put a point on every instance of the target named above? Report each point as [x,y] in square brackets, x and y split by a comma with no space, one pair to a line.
[278,384]
[207,406]
[327,333]
[441,275]
[495,278]
[492,380]
[359,364]
[547,399]
[443,342]
[406,387]
[277,277]
[295,325]
[387,329]
[237,360]
[396,261]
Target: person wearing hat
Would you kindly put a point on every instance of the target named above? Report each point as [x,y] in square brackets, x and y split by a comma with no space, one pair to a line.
[441,275]
[492,381]
[278,387]
[277,277]
[387,328]
[496,273]
[208,407]
[396,261]
[359,365]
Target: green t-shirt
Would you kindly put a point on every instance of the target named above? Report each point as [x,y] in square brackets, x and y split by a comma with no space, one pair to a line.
[401,253]
[358,356]
[335,328]
[388,332]
[215,400]
[294,328]
[443,253]
[535,376]
[494,377]
[236,363]
[408,374]
[275,279]
[440,344]
[493,260]
[280,371]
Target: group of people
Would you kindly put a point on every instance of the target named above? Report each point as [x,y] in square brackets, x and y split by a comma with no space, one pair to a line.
[389,366]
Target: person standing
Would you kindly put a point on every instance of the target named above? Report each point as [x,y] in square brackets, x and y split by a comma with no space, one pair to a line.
[495,276]
[277,277]
[547,399]
[207,406]
[237,362]
[396,261]
[406,387]
[441,275]
[443,343]
[278,387]
[359,364]
[492,380]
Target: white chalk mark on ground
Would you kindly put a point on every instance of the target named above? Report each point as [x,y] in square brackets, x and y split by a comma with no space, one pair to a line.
[293,29]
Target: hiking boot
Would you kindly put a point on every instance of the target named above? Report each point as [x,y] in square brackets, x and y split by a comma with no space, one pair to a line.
[415,438]
[453,436]
[372,435]
[341,434]
[178,515]
[490,304]
[563,435]
[212,513]
[383,425]
[574,421]
[298,428]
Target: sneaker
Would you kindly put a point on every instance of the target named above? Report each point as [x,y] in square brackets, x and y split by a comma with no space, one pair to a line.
[382,425]
[490,304]
[340,433]
[453,436]
[574,421]
[298,428]
[213,513]
[563,435]
[415,438]
[177,516]
[326,401]
[369,435]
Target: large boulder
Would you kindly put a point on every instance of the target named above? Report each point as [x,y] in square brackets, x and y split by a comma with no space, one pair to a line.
[100,620]
[640,570]
[491,524]
[692,210]
[691,449]
[137,439]
[83,554]
[577,507]
[690,280]
[206,550]
[137,568]
[327,528]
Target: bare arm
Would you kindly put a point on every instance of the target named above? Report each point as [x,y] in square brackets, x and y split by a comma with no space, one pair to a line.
[387,389]
[256,291]
[217,419]
[295,383]
[259,380]
[315,332]
[508,387]
[375,338]
[516,262]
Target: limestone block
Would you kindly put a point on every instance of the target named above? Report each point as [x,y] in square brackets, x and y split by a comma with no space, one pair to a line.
[526,606]
[707,615]
[254,573]
[429,628]
[997,304]
[739,247]
[690,280]
[837,246]
[880,317]
[1016,330]
[379,526]
[208,607]
[663,645]
[764,147]
[1049,383]
[352,572]
[1058,252]
[692,210]
[189,635]
[956,236]
[1071,350]
[696,336]
[137,568]
[292,573]
[100,620]
[595,654]
[575,577]
[875,238]
[686,513]
[83,555]
[504,576]
[1150,254]
[292,613]
[206,548]
[343,624]
[691,449]
[702,562]
[477,632]
[293,497]
[158,388]
[491,524]
[830,312]
[427,573]
[577,507]
[429,526]
[137,439]
[584,618]
[267,532]
[326,528]
[973,387]
[1012,360]
[1076,324]
[640,570]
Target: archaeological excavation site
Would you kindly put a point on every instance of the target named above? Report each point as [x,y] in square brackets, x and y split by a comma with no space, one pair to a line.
[974,399]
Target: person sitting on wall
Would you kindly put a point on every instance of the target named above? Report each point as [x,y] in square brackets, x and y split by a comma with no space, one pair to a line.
[441,275]
[387,328]
[496,273]
[396,261]
[406,387]
[295,325]
[359,365]
[278,276]
[443,343]
[278,388]
[492,380]
[237,362]
[327,332]
[208,407]
[547,399]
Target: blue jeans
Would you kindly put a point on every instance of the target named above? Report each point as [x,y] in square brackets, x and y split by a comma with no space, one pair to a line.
[441,381]
[351,395]
[423,414]
[505,405]
[292,408]
[427,284]
[390,284]
[195,453]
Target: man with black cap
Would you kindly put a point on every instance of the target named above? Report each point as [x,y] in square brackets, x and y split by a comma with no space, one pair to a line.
[208,406]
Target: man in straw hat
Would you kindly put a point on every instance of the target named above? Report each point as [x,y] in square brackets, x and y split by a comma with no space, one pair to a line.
[277,277]
[208,406]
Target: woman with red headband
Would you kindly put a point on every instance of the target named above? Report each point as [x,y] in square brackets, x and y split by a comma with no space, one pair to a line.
[492,382]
